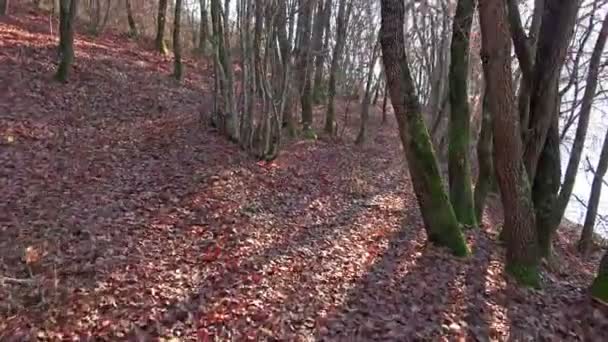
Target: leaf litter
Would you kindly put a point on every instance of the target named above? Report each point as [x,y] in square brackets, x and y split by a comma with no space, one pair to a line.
[125,218]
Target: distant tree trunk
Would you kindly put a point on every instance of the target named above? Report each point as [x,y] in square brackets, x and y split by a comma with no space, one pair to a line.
[584,244]
[438,215]
[133,32]
[459,165]
[599,288]
[305,65]
[159,42]
[485,178]
[177,45]
[367,97]
[204,30]
[522,255]
[384,102]
[4,7]
[341,25]
[583,124]
[322,25]
[67,13]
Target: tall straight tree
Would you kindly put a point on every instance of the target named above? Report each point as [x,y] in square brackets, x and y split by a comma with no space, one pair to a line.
[204,28]
[159,42]
[438,215]
[342,19]
[305,64]
[177,45]
[522,254]
[459,165]
[67,15]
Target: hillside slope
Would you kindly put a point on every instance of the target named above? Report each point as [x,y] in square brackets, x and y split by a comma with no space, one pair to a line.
[122,216]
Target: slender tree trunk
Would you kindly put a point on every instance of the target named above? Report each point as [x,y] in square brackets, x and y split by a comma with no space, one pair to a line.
[305,65]
[485,178]
[546,186]
[459,165]
[324,23]
[67,13]
[384,102]
[341,24]
[159,42]
[204,28]
[366,98]
[177,45]
[4,7]
[599,288]
[586,240]
[522,255]
[438,215]
[133,32]
[583,124]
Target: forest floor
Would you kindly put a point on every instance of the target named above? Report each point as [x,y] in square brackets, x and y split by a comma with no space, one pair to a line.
[124,217]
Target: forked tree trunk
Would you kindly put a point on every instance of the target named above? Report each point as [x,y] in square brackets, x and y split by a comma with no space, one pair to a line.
[361,137]
[438,215]
[459,165]
[67,14]
[177,45]
[341,24]
[159,42]
[522,255]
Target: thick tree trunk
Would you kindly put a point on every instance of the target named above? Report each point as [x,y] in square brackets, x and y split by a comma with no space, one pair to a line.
[133,32]
[459,165]
[4,7]
[67,14]
[584,244]
[177,45]
[599,288]
[437,212]
[583,124]
[204,28]
[341,24]
[522,255]
[159,42]
[485,178]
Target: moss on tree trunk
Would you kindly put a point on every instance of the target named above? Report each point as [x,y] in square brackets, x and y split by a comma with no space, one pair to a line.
[599,288]
[159,42]
[519,228]
[484,156]
[459,166]
[67,14]
[437,212]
